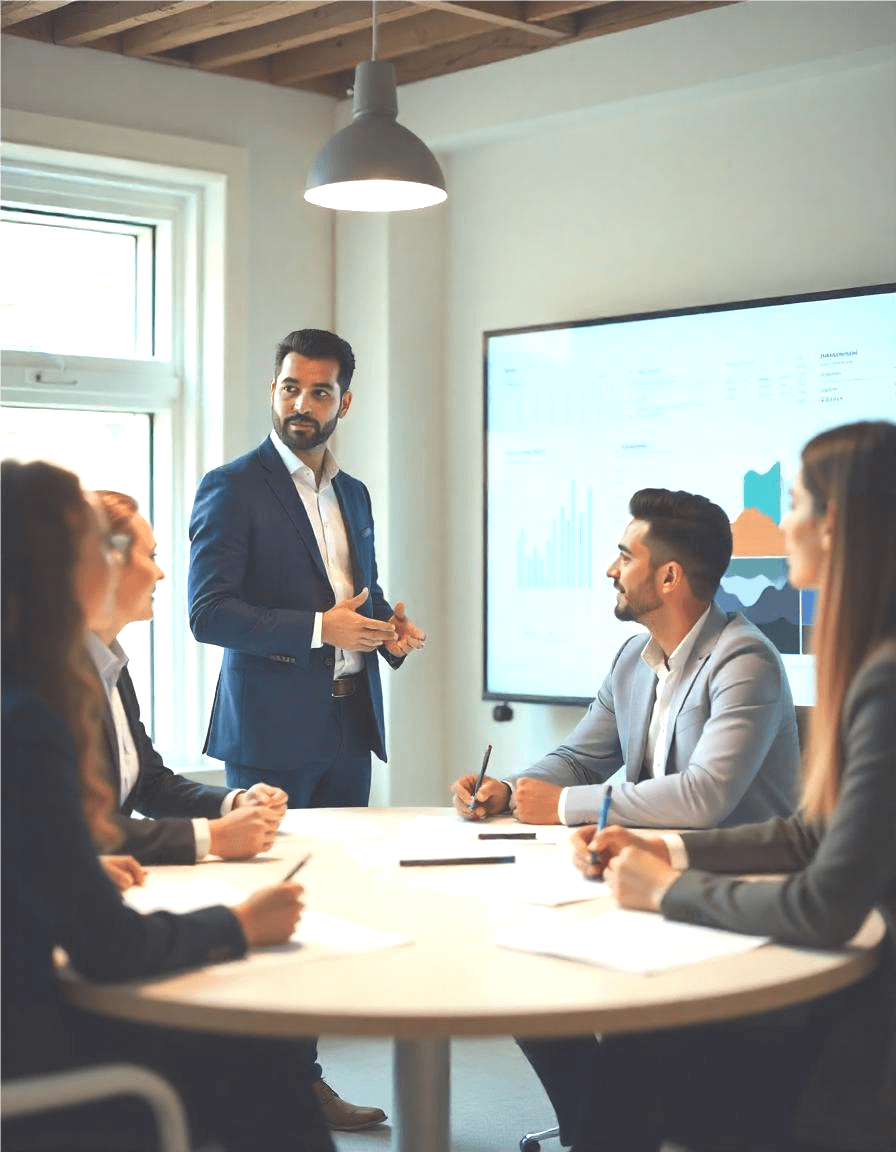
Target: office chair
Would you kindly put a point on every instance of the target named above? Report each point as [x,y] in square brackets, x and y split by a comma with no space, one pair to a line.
[531,1142]
[34,1094]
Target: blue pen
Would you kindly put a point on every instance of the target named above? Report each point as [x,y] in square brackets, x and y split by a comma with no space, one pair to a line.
[602,819]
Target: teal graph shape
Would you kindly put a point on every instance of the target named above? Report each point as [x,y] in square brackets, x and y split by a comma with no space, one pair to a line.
[762,491]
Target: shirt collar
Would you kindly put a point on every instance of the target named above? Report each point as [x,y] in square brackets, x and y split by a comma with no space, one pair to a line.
[109,662]
[653,655]
[294,464]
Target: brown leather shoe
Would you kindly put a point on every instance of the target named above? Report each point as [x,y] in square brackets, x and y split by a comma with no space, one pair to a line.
[342,1116]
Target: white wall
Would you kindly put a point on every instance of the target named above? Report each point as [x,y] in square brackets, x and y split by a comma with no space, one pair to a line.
[289,273]
[733,154]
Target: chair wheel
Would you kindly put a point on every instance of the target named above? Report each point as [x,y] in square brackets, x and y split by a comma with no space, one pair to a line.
[529,1145]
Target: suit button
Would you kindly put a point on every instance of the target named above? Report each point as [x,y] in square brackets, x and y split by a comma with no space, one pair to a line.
[329,662]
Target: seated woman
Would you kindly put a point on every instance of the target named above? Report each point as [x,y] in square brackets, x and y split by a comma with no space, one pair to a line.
[188,820]
[822,1075]
[241,1092]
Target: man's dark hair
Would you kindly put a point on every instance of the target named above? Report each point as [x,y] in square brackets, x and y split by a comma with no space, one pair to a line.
[689,529]
[316,344]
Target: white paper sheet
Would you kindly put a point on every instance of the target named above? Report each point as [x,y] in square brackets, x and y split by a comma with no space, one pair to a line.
[528,883]
[337,935]
[316,929]
[160,895]
[640,942]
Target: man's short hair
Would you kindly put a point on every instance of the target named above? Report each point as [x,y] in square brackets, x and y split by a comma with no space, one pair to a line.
[689,529]
[317,344]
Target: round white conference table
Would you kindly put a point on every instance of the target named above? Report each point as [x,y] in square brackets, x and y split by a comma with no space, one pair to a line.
[449,979]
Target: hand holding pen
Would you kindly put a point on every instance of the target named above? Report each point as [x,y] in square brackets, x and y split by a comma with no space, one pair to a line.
[476,797]
[269,916]
[480,777]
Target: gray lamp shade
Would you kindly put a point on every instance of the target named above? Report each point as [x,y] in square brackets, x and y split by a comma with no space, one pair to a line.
[374,164]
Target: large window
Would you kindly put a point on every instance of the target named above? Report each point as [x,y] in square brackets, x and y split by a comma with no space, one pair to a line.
[123,255]
[91,378]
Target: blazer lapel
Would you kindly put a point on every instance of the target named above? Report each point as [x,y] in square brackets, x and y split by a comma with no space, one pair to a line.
[281,484]
[352,530]
[642,698]
[700,653]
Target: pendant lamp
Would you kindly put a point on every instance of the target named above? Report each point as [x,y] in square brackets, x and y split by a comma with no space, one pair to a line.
[374,164]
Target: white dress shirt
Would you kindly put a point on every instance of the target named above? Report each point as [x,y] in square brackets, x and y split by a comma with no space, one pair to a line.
[668,674]
[109,663]
[322,505]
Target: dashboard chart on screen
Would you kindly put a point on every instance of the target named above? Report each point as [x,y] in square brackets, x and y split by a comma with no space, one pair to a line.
[714,400]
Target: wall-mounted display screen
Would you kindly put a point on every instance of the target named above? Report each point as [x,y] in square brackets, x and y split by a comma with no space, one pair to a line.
[714,400]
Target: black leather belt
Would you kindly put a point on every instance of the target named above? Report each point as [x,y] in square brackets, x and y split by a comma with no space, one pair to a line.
[345,686]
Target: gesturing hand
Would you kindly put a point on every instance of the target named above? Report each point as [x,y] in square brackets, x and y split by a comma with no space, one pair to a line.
[343,626]
[407,635]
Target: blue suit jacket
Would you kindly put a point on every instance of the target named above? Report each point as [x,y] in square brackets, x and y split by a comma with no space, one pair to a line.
[256,581]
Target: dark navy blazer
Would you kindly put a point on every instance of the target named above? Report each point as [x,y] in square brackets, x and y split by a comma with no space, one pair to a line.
[170,799]
[256,580]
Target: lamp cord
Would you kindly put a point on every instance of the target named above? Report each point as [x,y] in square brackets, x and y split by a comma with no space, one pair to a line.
[373,47]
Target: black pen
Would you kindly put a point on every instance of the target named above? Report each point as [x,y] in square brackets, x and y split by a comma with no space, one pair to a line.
[472,803]
[458,860]
[301,864]
[507,836]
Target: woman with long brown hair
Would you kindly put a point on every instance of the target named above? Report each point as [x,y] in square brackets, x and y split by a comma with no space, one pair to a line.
[55,810]
[820,1076]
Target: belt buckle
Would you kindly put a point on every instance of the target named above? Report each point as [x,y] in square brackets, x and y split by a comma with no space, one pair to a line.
[347,687]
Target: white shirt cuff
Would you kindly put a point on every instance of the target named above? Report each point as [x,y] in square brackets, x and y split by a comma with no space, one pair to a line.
[316,641]
[678,854]
[561,806]
[202,833]
[228,801]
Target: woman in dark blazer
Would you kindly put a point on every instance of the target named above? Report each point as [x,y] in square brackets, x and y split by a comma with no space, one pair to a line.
[55,813]
[821,1075]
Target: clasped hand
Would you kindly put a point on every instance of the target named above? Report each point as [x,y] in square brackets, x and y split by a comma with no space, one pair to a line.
[636,866]
[344,626]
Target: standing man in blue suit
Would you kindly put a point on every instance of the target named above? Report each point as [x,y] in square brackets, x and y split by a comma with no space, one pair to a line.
[283,577]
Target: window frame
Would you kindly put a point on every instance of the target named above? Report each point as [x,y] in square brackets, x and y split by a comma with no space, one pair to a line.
[200,214]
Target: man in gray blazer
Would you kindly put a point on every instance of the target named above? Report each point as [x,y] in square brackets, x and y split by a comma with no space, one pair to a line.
[694,726]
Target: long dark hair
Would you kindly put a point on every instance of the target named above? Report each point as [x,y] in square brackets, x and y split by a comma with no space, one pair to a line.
[850,472]
[45,520]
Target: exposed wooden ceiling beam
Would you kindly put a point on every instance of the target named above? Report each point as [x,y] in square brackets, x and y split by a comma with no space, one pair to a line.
[15,11]
[486,48]
[548,9]
[412,35]
[500,15]
[186,27]
[294,32]
[615,17]
[83,23]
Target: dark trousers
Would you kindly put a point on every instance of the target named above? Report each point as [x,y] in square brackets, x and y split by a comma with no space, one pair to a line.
[718,1088]
[244,1093]
[336,775]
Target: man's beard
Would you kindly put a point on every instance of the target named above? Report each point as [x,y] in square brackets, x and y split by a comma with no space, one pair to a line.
[301,436]
[635,609]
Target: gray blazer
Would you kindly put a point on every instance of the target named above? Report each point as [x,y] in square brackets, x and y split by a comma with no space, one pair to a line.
[732,754]
[840,870]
